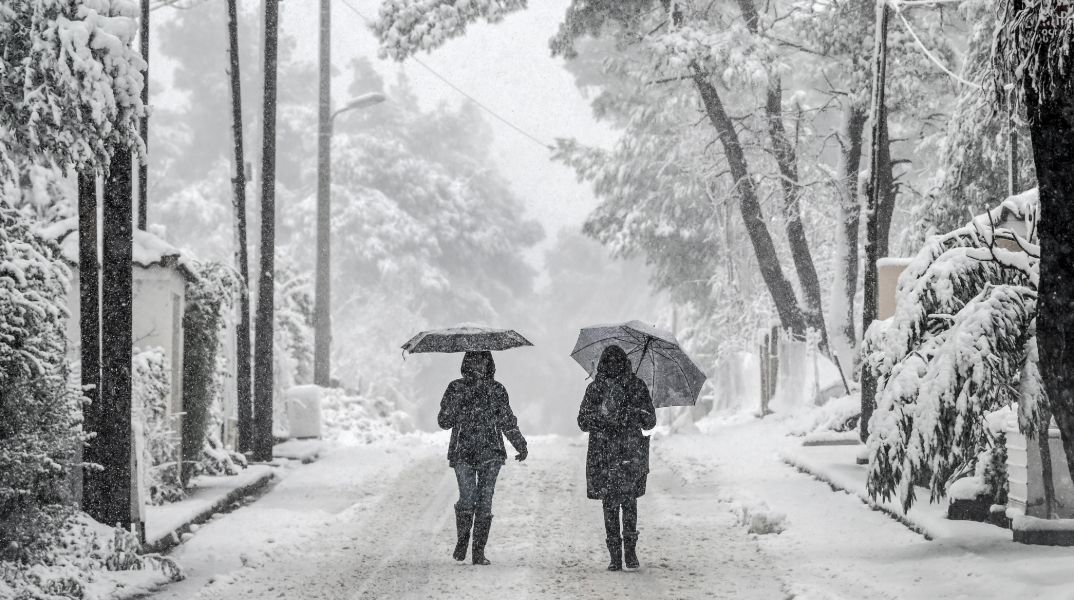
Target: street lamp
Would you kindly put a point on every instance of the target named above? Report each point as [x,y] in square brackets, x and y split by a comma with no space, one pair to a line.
[322,319]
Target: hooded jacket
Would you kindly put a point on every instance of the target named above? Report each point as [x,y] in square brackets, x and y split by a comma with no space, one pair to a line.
[477,411]
[616,408]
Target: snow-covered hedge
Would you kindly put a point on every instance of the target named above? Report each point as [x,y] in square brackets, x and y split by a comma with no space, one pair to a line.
[39,414]
[960,345]
[207,299]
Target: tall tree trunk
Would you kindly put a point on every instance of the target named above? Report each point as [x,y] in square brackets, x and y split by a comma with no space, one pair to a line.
[787,160]
[845,284]
[242,329]
[322,314]
[1052,129]
[263,367]
[89,321]
[880,203]
[143,123]
[781,290]
[109,490]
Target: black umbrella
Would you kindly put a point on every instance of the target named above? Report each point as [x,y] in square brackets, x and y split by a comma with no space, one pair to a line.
[657,357]
[465,339]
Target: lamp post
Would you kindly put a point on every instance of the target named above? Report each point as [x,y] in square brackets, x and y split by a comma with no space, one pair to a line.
[322,316]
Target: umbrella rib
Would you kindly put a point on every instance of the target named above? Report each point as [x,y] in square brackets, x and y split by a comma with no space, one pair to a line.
[600,341]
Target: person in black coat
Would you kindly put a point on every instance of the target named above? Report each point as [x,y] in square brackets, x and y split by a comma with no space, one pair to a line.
[616,408]
[477,411]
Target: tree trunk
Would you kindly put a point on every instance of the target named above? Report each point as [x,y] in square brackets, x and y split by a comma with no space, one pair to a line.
[1052,131]
[322,314]
[109,491]
[790,313]
[263,367]
[787,161]
[242,329]
[143,123]
[89,321]
[880,203]
[845,283]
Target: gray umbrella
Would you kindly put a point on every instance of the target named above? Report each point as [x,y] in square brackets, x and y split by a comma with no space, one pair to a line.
[465,339]
[657,357]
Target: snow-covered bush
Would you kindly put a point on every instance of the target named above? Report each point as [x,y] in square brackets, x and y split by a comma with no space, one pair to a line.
[353,418]
[150,387]
[960,345]
[216,458]
[39,414]
[203,324]
[87,567]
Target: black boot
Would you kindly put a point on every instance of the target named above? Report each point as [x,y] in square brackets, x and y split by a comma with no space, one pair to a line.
[630,534]
[464,520]
[630,545]
[481,537]
[611,530]
[615,551]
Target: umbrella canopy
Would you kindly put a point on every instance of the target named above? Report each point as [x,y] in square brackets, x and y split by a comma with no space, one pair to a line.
[465,339]
[656,356]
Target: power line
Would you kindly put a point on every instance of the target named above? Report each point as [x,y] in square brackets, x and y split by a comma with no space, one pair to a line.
[459,90]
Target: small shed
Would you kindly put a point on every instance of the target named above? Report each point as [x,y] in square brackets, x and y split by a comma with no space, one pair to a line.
[160,277]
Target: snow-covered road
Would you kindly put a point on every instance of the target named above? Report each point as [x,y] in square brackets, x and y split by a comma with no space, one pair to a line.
[376,521]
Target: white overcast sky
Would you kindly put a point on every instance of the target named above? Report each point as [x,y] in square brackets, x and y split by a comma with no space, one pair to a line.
[507,67]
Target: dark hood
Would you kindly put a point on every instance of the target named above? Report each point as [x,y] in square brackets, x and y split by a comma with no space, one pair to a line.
[478,365]
[614,363]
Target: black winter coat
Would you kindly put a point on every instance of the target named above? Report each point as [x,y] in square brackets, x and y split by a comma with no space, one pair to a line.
[478,413]
[617,461]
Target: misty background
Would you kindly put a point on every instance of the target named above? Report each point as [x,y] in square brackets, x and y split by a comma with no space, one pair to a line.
[442,214]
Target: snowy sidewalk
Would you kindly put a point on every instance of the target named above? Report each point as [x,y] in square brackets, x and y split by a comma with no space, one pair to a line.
[836,547]
[166,524]
[836,466]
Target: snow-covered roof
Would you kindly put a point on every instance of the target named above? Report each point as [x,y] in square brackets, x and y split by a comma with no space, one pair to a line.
[149,250]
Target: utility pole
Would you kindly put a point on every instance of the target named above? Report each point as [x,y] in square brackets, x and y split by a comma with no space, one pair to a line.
[109,491]
[242,329]
[263,336]
[322,314]
[143,123]
[876,209]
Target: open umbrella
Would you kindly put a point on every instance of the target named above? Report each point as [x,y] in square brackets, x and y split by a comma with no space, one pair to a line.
[465,339]
[656,356]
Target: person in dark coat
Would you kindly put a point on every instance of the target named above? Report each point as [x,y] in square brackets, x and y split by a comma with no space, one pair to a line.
[476,410]
[616,408]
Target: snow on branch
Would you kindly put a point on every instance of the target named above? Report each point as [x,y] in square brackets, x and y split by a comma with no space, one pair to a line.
[405,27]
[959,346]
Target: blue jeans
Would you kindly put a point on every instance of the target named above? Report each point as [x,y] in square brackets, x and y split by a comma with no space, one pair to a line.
[477,483]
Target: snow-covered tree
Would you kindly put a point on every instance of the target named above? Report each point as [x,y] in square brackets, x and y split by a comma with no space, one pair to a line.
[70,85]
[1033,52]
[959,346]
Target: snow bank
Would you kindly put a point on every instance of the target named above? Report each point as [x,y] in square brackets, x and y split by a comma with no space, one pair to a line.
[759,519]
